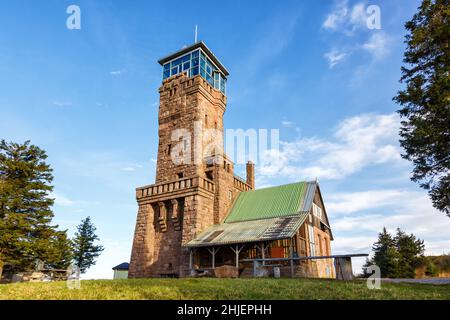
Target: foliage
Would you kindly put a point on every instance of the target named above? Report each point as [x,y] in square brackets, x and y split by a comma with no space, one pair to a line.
[26,231]
[385,255]
[85,251]
[425,130]
[61,255]
[410,251]
[25,206]
[399,256]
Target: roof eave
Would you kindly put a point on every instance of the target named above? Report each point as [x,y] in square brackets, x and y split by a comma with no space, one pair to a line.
[199,44]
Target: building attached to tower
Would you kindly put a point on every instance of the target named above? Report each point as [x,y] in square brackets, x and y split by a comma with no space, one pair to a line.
[199,215]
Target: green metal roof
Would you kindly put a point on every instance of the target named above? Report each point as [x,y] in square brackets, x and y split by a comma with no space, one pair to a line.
[249,231]
[272,202]
[263,214]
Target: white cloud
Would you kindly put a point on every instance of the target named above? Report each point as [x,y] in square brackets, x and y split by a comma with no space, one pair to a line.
[358,15]
[370,211]
[117,72]
[61,200]
[358,201]
[288,124]
[62,103]
[346,19]
[334,57]
[377,45]
[337,17]
[358,142]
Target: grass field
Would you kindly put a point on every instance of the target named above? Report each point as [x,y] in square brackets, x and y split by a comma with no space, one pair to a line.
[222,289]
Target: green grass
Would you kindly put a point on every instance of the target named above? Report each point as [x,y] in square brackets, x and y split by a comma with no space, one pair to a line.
[222,289]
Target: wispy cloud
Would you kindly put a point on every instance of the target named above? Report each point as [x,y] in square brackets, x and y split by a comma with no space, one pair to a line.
[132,167]
[62,200]
[358,142]
[377,45]
[62,103]
[337,17]
[117,72]
[334,57]
[345,19]
[288,124]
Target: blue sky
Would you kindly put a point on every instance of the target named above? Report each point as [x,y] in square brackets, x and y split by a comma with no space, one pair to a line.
[312,69]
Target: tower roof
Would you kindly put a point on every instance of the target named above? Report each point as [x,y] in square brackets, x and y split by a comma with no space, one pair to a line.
[199,44]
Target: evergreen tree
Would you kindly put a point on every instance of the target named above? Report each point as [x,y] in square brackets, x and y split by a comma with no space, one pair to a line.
[425,130]
[385,255]
[410,252]
[25,208]
[61,255]
[85,251]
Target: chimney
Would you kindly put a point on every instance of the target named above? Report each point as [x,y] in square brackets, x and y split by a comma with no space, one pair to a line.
[251,174]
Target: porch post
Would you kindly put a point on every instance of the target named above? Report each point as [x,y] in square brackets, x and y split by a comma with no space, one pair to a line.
[291,254]
[191,259]
[213,253]
[263,249]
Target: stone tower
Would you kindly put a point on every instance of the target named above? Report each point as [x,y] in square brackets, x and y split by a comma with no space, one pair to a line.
[195,182]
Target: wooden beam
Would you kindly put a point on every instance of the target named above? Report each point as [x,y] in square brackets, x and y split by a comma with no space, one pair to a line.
[311,257]
[236,252]
[191,259]
[291,255]
[213,253]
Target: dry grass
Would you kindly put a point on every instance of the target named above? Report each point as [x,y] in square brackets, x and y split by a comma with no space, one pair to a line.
[218,289]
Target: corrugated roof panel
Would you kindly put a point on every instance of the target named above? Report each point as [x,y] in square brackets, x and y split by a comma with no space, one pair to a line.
[269,202]
[309,196]
[250,231]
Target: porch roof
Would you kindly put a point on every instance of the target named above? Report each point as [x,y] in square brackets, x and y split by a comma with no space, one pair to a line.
[250,231]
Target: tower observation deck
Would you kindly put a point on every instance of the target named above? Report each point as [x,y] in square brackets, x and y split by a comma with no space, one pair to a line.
[193,60]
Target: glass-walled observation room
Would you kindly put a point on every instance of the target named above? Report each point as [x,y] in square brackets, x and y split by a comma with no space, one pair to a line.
[194,63]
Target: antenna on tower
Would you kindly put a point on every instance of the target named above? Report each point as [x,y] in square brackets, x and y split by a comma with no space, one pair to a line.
[195,34]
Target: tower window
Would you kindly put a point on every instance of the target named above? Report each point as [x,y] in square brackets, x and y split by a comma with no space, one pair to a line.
[194,63]
[169,149]
[209,175]
[206,119]
[180,175]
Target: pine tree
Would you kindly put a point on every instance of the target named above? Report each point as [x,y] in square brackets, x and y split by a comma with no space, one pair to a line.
[61,255]
[25,206]
[385,255]
[410,251]
[85,252]
[425,130]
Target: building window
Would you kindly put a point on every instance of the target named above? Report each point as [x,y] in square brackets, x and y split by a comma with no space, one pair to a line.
[194,63]
[206,119]
[209,175]
[317,211]
[312,244]
[230,194]
[169,149]
[180,175]
[319,238]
